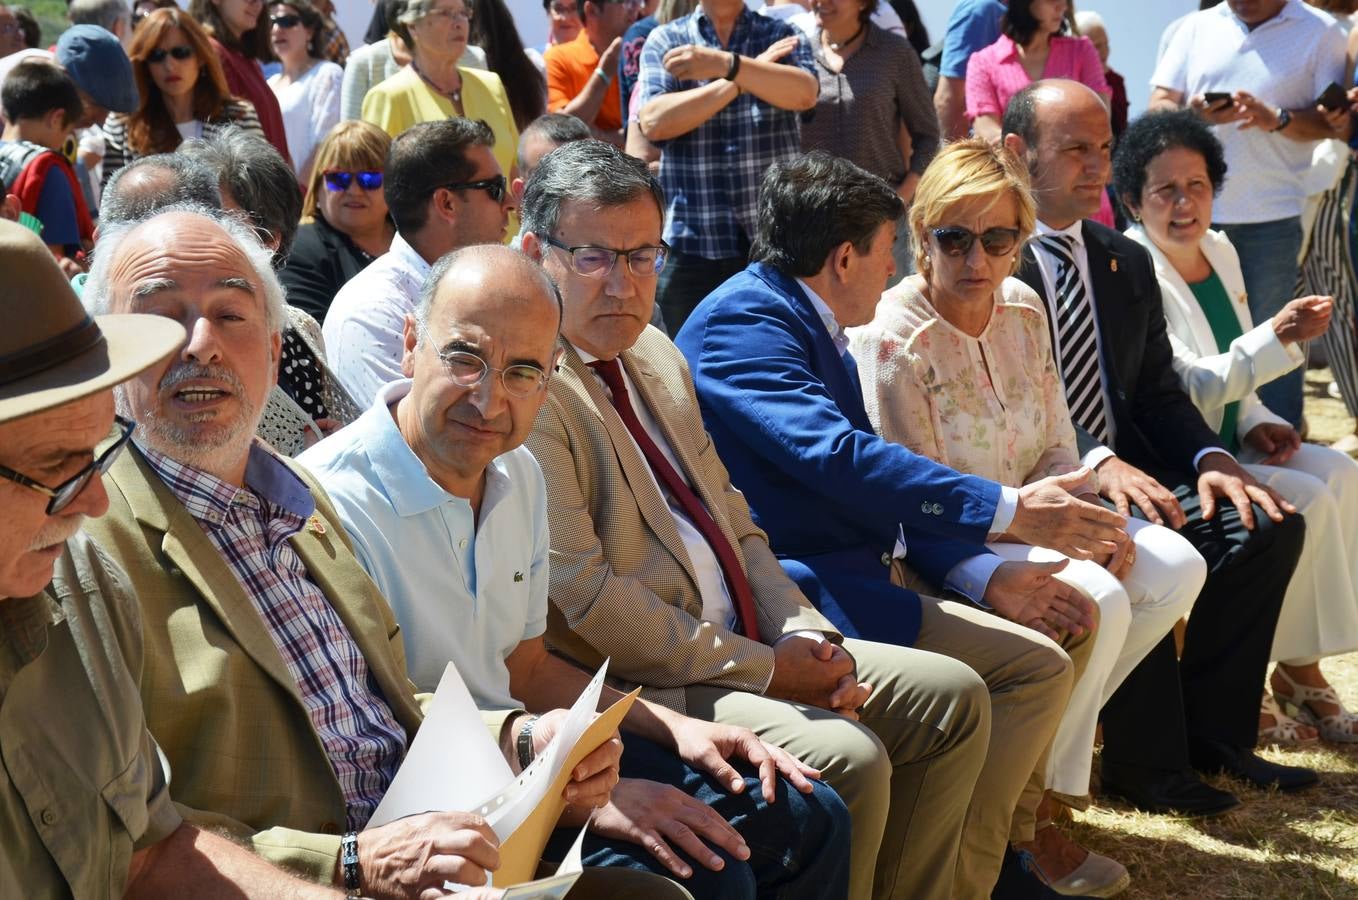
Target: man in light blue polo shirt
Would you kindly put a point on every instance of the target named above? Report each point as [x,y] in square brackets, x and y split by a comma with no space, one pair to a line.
[447,512]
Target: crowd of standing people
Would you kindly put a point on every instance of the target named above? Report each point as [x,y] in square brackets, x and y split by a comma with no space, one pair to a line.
[905,418]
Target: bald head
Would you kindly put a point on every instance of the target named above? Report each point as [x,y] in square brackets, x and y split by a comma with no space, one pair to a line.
[1062,131]
[479,351]
[488,275]
[153,183]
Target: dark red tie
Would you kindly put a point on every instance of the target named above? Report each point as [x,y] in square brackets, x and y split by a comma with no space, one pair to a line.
[736,582]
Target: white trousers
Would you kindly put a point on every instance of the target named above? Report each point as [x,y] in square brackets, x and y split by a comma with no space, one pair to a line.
[1320,610]
[1135,614]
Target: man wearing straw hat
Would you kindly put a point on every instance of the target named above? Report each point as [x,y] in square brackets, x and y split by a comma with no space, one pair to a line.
[84,800]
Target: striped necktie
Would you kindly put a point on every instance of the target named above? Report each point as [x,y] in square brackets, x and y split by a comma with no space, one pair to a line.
[1075,334]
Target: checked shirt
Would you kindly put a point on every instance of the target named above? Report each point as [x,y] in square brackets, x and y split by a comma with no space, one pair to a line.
[250,527]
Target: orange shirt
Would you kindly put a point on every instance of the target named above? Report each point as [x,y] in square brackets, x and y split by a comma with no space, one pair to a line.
[569,68]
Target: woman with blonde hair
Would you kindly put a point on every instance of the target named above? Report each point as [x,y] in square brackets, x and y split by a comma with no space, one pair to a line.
[182,88]
[957,365]
[345,224]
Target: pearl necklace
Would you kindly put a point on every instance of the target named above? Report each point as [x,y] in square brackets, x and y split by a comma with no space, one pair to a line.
[841,44]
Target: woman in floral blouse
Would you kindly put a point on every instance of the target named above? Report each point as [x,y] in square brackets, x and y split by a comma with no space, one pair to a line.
[958,366]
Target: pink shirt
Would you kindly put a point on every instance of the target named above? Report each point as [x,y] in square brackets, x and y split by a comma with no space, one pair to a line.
[996,73]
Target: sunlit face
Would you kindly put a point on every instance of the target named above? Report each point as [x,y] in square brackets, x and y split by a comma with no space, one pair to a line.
[1073,156]
[603,315]
[290,41]
[1049,14]
[240,15]
[1176,201]
[442,32]
[49,447]
[564,17]
[479,218]
[353,210]
[975,275]
[866,278]
[11,35]
[837,15]
[201,406]
[615,17]
[175,77]
[505,318]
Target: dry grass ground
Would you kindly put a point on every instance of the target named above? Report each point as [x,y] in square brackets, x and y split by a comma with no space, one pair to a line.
[1274,845]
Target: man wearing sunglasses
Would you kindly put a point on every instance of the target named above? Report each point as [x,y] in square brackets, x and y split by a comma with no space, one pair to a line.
[435,472]
[1155,457]
[444,190]
[84,801]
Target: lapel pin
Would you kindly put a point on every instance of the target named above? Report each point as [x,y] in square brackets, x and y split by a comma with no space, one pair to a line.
[1113,265]
[518,576]
[314,525]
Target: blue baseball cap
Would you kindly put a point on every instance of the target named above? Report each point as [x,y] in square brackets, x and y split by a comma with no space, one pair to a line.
[99,66]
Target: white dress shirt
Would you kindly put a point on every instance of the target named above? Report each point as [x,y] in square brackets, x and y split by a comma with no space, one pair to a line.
[1046,264]
[364,327]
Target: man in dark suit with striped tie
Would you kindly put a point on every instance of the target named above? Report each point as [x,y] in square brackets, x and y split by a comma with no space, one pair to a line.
[1155,457]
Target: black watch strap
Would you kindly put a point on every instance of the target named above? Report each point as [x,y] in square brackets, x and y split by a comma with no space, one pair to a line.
[353,887]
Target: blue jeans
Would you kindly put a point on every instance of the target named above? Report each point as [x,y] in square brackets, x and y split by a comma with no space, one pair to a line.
[1268,259]
[799,845]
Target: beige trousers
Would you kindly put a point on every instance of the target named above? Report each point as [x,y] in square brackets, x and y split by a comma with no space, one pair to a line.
[905,770]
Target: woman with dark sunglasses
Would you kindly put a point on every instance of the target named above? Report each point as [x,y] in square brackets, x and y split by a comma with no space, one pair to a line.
[345,224]
[183,92]
[958,366]
[308,88]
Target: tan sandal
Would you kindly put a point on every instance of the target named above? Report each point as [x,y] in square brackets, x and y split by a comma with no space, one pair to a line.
[1337,728]
[1285,729]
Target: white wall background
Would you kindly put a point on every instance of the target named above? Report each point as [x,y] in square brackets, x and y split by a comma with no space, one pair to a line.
[1134,28]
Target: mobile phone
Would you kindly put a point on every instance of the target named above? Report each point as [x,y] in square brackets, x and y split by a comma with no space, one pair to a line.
[1333,98]
[1212,98]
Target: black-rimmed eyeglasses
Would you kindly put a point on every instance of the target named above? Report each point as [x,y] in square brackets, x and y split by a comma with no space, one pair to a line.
[64,494]
[495,187]
[598,262]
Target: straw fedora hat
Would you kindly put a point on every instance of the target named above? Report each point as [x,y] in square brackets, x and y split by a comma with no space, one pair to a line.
[51,351]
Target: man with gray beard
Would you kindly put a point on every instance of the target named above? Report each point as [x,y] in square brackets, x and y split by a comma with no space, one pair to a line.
[274,675]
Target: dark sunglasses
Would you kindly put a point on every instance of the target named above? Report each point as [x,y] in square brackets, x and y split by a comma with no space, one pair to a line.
[340,181]
[955,240]
[495,187]
[64,494]
[182,52]
[286,21]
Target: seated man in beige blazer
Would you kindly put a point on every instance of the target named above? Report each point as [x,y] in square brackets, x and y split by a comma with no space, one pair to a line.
[274,676]
[679,587]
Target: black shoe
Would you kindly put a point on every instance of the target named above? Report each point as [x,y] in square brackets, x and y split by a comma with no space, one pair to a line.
[1214,756]
[1019,880]
[1180,793]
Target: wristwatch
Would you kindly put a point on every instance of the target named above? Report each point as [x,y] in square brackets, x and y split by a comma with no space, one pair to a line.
[524,742]
[1284,119]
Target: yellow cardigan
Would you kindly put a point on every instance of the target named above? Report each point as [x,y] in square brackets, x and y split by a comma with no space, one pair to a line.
[404,100]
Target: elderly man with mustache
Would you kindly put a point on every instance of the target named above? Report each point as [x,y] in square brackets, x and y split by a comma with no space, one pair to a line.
[274,676]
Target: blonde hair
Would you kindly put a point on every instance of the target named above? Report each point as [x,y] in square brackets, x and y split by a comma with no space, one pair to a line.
[966,170]
[351,146]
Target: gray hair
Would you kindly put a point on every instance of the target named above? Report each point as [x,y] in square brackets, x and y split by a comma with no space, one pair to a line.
[104,13]
[589,171]
[258,178]
[98,295]
[168,179]
[473,254]
[1086,19]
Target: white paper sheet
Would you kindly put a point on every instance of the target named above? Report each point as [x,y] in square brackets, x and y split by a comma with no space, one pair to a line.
[450,762]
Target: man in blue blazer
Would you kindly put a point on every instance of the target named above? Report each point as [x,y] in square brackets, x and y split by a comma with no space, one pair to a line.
[781,399]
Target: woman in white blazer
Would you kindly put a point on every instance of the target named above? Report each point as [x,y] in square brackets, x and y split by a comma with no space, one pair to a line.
[1168,167]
